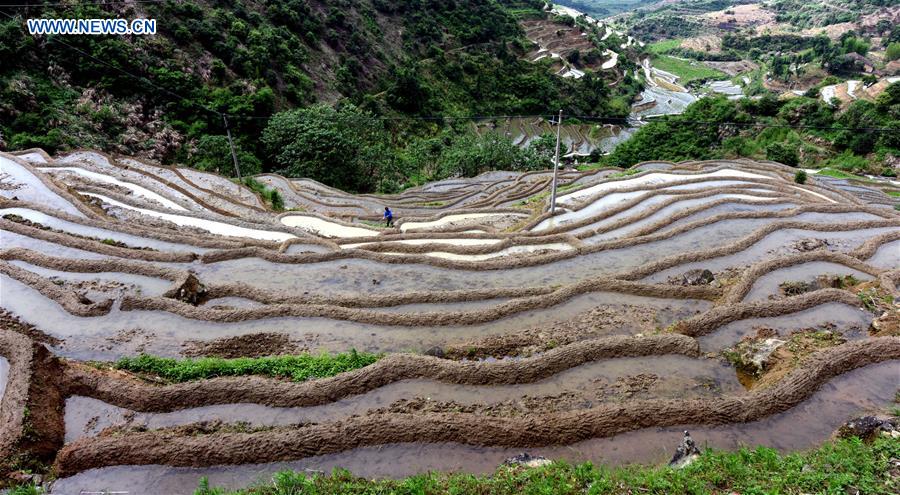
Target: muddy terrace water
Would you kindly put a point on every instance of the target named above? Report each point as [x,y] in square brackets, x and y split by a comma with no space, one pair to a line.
[864,390]
[577,388]
[131,206]
[164,333]
[354,276]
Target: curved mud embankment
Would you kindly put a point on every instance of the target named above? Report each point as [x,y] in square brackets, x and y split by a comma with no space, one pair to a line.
[509,262]
[50,184]
[540,430]
[737,292]
[65,298]
[281,303]
[95,246]
[149,232]
[447,318]
[719,316]
[120,389]
[18,351]
[748,241]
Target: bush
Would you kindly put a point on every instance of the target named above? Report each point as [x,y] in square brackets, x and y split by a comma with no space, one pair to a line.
[270,195]
[782,153]
[800,177]
[892,52]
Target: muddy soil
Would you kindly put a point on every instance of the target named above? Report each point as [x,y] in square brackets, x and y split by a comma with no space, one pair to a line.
[254,345]
[520,351]
[548,429]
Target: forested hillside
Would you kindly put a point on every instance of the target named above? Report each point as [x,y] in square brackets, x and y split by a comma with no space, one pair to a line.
[382,60]
[803,131]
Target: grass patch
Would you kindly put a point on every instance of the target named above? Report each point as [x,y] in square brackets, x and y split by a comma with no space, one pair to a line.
[664,46]
[840,467]
[298,368]
[592,166]
[895,194]
[271,196]
[625,173]
[837,174]
[686,70]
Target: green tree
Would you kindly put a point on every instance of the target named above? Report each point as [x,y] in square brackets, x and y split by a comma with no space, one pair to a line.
[214,155]
[340,146]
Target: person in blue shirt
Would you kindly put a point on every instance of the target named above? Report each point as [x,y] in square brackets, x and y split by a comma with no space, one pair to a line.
[388,217]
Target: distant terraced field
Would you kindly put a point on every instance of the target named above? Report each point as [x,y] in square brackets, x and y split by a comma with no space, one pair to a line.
[597,333]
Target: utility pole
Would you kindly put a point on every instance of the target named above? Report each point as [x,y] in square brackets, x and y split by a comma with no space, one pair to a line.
[237,167]
[555,166]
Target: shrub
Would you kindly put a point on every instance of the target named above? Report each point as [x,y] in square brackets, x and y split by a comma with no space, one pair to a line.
[270,195]
[800,177]
[782,153]
[892,52]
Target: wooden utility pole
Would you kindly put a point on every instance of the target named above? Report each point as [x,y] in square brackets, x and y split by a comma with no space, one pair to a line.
[237,168]
[555,166]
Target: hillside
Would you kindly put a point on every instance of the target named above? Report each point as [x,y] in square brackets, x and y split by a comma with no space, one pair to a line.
[157,96]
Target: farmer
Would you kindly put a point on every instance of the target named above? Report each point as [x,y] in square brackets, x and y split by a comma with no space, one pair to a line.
[388,217]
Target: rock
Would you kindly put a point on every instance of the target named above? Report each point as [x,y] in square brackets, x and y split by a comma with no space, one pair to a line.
[867,427]
[685,453]
[753,356]
[697,277]
[527,460]
[436,351]
[806,245]
[23,477]
[189,290]
[886,324]
[893,471]
[794,288]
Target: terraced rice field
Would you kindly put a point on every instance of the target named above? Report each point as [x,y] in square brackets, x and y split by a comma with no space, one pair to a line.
[598,333]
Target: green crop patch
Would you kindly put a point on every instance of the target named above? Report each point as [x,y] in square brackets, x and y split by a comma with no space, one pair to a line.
[298,368]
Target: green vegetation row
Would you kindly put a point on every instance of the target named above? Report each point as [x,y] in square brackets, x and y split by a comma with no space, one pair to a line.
[297,368]
[716,127]
[845,466]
